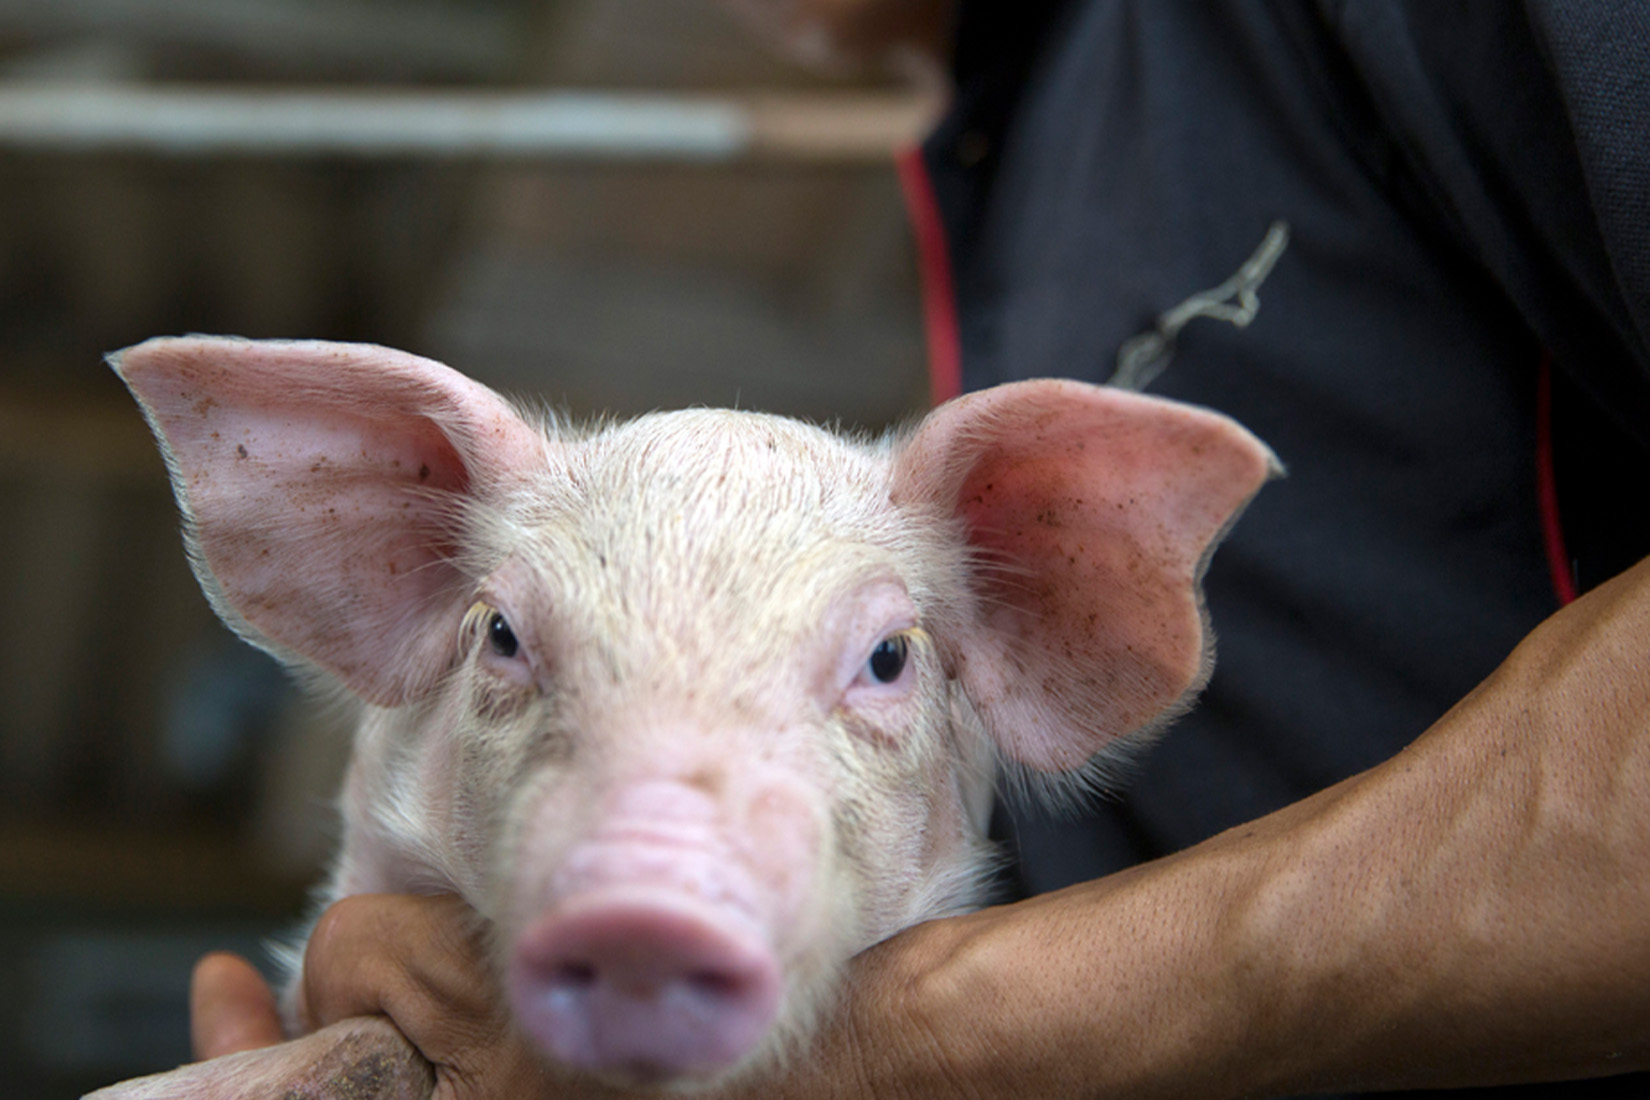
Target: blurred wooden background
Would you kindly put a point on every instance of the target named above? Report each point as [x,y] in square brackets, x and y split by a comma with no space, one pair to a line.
[162,790]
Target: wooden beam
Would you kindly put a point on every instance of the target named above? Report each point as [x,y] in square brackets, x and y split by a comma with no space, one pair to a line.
[193,122]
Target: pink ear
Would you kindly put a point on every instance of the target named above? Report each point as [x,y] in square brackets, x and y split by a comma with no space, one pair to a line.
[1091,513]
[318,483]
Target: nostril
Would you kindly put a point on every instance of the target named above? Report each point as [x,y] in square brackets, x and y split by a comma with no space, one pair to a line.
[574,975]
[715,983]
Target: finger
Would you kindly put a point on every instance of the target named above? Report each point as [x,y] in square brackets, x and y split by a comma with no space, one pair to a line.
[419,960]
[231,1008]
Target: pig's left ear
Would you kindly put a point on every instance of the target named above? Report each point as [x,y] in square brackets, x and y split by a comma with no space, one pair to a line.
[1090,514]
[323,488]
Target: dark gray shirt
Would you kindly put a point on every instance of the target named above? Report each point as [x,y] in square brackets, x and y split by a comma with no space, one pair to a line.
[1467,191]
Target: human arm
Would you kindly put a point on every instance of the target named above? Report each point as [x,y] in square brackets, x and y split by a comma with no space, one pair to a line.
[1475,910]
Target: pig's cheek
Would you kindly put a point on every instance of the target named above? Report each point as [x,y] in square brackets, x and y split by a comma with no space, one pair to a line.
[395,808]
[497,739]
[788,856]
[539,821]
[903,825]
[477,780]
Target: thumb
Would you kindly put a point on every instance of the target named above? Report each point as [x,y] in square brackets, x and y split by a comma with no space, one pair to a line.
[231,1008]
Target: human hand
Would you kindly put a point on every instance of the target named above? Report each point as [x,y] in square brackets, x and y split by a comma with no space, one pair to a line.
[421,963]
[951,1008]
[418,963]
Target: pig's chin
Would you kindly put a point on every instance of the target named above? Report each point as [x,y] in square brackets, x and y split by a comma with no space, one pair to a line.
[643,986]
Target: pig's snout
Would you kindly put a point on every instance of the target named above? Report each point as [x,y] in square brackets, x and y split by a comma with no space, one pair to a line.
[655,953]
[645,989]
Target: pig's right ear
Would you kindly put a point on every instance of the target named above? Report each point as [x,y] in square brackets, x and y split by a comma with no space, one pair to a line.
[1089,515]
[322,486]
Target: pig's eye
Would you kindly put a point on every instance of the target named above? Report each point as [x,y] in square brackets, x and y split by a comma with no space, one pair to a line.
[500,638]
[888,659]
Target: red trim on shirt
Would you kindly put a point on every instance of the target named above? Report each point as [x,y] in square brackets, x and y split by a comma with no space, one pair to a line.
[1552,526]
[939,300]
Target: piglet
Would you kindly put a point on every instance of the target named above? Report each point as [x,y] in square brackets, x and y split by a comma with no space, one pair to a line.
[689,708]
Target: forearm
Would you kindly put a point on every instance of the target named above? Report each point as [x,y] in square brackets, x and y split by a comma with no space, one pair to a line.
[1476,909]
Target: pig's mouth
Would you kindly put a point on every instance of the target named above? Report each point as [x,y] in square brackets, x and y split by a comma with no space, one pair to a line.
[646,985]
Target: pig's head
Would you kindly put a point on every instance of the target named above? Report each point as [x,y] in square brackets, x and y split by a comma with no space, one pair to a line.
[693,707]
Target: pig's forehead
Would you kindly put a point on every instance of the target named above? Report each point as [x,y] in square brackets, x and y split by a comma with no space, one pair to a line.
[723,468]
[757,442]
[712,501]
